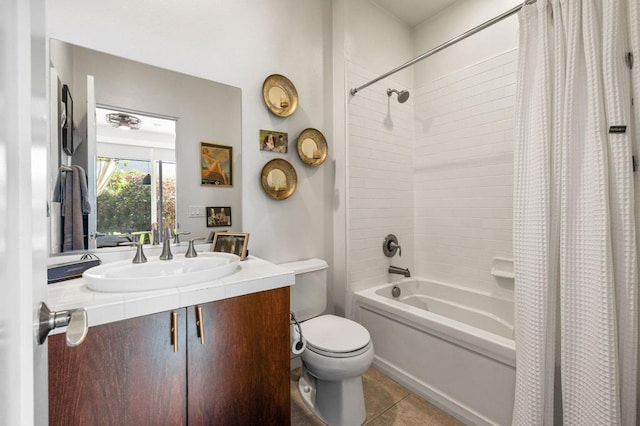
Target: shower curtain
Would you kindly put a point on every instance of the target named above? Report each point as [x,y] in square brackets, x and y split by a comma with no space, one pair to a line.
[574,223]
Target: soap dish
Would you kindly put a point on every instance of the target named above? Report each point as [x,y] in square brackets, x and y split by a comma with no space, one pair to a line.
[502,267]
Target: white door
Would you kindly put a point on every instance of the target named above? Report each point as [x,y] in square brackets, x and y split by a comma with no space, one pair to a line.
[23,238]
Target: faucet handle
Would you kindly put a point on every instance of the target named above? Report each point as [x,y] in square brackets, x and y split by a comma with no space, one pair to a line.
[390,246]
[191,251]
[176,236]
[394,246]
[139,257]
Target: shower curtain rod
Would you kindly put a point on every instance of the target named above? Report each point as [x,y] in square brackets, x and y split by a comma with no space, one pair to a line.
[451,42]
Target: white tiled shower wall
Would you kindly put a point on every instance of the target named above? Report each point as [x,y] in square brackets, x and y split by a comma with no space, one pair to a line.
[437,171]
[463,176]
[380,179]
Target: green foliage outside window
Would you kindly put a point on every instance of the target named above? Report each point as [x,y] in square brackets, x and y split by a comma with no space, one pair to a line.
[125,204]
[168,201]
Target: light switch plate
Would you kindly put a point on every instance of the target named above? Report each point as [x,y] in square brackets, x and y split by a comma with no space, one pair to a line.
[196,211]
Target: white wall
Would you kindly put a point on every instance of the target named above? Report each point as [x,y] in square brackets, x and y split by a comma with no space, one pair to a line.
[377,40]
[404,176]
[463,177]
[464,174]
[238,43]
[380,180]
[378,134]
[458,18]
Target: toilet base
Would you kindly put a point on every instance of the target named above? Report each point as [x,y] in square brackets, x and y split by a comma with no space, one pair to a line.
[336,403]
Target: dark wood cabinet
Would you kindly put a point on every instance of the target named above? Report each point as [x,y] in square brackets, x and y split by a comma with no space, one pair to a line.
[241,372]
[123,373]
[231,367]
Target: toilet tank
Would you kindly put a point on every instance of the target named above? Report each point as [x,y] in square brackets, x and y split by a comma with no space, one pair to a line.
[309,294]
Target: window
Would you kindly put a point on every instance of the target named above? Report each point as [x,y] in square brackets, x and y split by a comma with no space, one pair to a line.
[135,178]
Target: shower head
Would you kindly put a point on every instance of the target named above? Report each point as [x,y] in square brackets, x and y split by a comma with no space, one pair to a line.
[403,95]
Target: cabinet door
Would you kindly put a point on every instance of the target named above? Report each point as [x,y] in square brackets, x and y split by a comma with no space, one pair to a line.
[124,373]
[240,374]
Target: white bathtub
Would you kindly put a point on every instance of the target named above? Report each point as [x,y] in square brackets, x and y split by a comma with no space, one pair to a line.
[452,345]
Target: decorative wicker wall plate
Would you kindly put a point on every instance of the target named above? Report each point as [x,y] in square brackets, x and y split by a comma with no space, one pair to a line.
[280,95]
[312,147]
[279,179]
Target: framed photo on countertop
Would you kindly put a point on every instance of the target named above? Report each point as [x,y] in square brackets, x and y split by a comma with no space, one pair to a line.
[231,242]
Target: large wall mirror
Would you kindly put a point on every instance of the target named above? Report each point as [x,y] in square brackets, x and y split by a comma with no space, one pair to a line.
[135,131]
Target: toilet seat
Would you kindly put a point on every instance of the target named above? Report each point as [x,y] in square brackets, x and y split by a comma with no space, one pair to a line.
[335,337]
[339,354]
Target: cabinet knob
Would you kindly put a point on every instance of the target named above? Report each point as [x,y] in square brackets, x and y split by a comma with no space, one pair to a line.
[75,320]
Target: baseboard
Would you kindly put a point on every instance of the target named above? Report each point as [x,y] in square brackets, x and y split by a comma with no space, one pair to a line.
[440,400]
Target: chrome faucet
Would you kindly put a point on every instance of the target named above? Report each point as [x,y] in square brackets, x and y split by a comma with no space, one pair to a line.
[191,251]
[400,271]
[166,246]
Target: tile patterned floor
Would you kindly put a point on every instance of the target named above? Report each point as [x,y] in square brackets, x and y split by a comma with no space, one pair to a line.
[387,403]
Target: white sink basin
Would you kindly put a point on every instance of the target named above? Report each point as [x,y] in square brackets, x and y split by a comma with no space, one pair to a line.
[125,276]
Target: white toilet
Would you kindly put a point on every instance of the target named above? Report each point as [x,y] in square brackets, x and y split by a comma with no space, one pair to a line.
[338,350]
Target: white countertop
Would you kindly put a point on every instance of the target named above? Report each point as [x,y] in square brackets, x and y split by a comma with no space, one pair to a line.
[253,275]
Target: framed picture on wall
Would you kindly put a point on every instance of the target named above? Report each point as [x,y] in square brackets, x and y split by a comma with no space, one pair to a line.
[218,216]
[216,164]
[273,141]
[67,120]
[231,242]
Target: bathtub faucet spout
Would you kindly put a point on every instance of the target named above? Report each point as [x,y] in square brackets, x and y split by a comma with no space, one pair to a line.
[400,271]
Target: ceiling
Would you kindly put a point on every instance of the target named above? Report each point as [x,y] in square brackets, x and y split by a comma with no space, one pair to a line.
[154,131]
[413,12]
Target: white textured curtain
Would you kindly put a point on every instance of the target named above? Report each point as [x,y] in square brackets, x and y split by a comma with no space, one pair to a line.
[574,223]
[104,169]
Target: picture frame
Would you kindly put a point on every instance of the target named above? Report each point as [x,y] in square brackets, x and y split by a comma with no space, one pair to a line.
[231,242]
[216,164]
[218,216]
[67,121]
[273,141]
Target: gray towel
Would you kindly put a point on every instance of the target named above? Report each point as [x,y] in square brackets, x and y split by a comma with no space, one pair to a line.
[67,211]
[60,188]
[75,204]
[84,192]
[78,228]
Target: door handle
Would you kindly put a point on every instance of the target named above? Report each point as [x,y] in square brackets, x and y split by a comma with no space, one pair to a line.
[75,320]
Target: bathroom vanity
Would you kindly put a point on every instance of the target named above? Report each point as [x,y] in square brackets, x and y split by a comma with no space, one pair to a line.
[220,355]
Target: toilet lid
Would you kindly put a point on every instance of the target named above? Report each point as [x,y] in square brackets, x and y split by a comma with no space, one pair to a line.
[334,334]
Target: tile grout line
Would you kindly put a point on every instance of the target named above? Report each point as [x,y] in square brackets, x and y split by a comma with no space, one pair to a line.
[389,408]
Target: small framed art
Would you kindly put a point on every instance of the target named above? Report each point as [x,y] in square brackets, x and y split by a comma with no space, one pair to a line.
[67,124]
[231,242]
[216,164]
[273,141]
[218,216]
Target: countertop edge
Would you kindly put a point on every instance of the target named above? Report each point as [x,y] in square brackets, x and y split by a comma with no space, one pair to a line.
[254,275]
